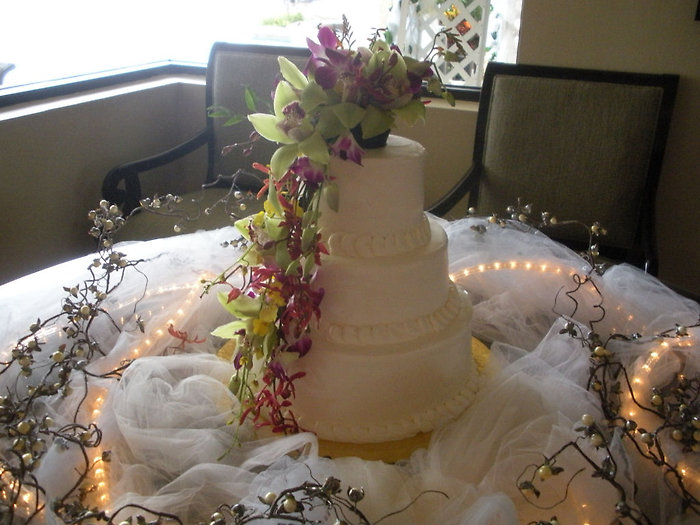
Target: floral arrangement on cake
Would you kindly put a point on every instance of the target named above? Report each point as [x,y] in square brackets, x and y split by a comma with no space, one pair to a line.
[345,97]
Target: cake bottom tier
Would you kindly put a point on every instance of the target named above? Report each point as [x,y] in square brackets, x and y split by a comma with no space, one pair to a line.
[397,450]
[379,393]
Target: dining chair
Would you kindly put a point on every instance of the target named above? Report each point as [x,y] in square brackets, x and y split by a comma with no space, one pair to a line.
[580,144]
[230,69]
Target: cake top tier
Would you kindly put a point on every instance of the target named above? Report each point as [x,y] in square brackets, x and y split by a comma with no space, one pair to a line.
[396,146]
[383,197]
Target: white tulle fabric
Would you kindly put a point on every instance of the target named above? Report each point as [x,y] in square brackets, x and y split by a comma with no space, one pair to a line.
[167,421]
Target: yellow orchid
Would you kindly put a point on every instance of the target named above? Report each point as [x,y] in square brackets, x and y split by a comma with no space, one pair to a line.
[260,327]
[268,312]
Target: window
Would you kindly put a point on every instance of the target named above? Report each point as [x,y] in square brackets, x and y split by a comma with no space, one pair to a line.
[488,30]
[48,40]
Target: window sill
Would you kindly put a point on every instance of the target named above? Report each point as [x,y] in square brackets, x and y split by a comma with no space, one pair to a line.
[15,95]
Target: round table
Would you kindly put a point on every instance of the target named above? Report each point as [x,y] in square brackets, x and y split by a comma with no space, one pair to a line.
[165,423]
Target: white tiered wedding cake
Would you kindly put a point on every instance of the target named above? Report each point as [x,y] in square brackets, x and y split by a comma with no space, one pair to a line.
[392,355]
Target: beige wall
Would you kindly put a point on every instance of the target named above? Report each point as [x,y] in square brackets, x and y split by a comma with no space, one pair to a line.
[448,137]
[653,36]
[53,159]
[53,156]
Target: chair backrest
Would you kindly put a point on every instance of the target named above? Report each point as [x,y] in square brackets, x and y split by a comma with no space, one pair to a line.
[581,144]
[232,68]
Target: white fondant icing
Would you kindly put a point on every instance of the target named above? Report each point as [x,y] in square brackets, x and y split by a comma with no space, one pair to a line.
[405,330]
[344,244]
[378,290]
[372,393]
[382,196]
[391,356]
[411,425]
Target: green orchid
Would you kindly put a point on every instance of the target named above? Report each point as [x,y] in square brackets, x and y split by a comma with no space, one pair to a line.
[296,99]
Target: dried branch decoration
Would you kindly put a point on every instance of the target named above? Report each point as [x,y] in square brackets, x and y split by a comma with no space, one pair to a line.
[675,406]
[311,503]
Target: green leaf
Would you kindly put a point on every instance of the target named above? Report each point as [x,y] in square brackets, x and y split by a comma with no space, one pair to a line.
[450,56]
[388,36]
[235,119]
[275,229]
[309,216]
[332,195]
[282,257]
[266,125]
[308,238]
[241,306]
[293,267]
[312,96]
[218,112]
[329,124]
[291,73]
[349,114]
[282,159]
[228,330]
[376,122]
[251,100]
[309,266]
[270,342]
[242,226]
[412,112]
[449,97]
[273,200]
[434,86]
[315,147]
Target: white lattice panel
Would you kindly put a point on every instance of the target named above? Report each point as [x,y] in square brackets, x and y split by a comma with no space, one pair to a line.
[419,22]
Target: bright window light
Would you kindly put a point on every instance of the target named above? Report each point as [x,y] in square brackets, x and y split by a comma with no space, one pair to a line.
[48,40]
[51,40]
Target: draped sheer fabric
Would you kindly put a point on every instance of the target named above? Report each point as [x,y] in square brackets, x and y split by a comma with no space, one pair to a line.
[168,420]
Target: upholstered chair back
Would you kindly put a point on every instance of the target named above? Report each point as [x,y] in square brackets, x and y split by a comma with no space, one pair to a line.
[232,68]
[581,144]
[576,148]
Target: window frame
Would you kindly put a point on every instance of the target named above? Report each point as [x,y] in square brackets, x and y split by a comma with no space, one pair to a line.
[13,95]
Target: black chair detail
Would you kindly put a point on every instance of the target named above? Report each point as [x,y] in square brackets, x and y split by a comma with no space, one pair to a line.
[231,68]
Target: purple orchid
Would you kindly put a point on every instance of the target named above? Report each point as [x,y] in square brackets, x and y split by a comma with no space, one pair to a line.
[327,39]
[331,63]
[301,346]
[293,121]
[308,171]
[237,364]
[347,148]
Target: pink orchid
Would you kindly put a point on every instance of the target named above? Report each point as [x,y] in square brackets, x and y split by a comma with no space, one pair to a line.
[347,148]
[301,346]
[308,171]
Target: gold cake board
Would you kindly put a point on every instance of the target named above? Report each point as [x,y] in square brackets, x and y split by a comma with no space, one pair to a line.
[393,451]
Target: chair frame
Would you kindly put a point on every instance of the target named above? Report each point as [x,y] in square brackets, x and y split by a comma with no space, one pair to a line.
[128,173]
[643,252]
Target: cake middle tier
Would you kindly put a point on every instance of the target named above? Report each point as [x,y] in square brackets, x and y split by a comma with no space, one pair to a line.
[379,290]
